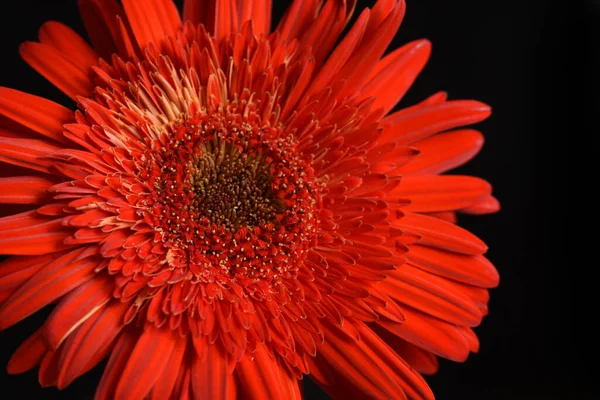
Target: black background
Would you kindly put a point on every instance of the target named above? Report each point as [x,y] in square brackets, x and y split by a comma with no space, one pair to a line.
[513,56]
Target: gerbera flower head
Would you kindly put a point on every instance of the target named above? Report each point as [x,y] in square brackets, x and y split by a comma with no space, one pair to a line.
[231,207]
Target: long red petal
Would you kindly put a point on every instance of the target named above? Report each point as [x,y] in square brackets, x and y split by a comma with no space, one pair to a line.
[474,270]
[25,189]
[395,74]
[76,308]
[89,344]
[443,152]
[146,363]
[99,18]
[439,337]
[411,125]
[262,377]
[441,192]
[166,383]
[69,43]
[119,357]
[211,375]
[33,238]
[28,153]
[440,234]
[53,281]
[55,67]
[43,116]
[29,354]
[432,294]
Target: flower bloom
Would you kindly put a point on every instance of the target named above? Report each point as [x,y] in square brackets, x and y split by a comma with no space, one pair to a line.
[231,207]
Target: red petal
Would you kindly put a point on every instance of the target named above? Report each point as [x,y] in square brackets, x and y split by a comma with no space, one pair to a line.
[116,364]
[474,270]
[441,234]
[395,74]
[486,206]
[262,377]
[99,18]
[444,152]
[371,365]
[226,18]
[28,153]
[431,334]
[149,21]
[89,344]
[339,56]
[422,360]
[360,65]
[29,354]
[28,235]
[211,376]
[146,363]
[432,294]
[441,192]
[297,18]
[25,189]
[53,281]
[257,11]
[69,43]
[411,125]
[166,383]
[36,113]
[17,270]
[75,308]
[51,64]
[199,12]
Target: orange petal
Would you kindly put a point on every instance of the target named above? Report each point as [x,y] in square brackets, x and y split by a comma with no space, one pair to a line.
[54,66]
[199,12]
[298,17]
[148,22]
[339,56]
[360,65]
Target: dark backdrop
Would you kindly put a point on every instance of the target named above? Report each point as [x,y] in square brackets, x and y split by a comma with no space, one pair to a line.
[513,56]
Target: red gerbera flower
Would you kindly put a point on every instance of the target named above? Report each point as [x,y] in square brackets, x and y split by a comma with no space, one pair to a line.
[232,207]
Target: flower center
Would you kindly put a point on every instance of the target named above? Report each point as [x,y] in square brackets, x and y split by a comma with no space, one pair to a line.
[231,188]
[230,197]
